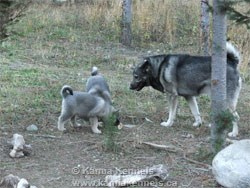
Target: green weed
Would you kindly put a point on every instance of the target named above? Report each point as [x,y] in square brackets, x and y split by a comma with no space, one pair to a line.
[110,133]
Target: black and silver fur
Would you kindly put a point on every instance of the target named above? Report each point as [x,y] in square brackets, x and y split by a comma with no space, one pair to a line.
[187,76]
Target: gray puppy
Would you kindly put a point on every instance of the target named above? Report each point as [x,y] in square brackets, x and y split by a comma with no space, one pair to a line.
[97,85]
[84,105]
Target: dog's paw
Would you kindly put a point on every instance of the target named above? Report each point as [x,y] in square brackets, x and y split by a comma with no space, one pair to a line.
[61,129]
[232,134]
[167,124]
[197,124]
[77,125]
[97,131]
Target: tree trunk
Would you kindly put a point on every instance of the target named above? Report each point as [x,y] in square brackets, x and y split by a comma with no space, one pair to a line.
[205,27]
[126,33]
[218,83]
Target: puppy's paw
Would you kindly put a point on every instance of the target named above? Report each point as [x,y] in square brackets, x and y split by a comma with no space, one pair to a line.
[97,131]
[77,125]
[61,129]
[232,134]
[167,124]
[197,124]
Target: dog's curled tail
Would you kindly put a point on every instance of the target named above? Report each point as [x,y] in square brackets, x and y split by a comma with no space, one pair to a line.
[233,54]
[66,90]
[94,71]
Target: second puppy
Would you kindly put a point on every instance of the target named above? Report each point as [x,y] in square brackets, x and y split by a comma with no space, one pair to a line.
[97,85]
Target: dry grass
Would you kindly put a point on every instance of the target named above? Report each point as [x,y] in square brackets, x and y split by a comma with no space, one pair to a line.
[174,24]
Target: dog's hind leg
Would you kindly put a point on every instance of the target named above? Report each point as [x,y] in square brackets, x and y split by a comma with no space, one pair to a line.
[94,125]
[232,102]
[74,123]
[194,109]
[173,101]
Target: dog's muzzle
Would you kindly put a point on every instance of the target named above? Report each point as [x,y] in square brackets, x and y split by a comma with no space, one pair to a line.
[137,85]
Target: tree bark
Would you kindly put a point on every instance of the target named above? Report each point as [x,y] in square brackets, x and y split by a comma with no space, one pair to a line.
[205,27]
[126,33]
[218,83]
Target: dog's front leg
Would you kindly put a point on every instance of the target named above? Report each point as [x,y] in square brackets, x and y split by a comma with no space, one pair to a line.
[94,125]
[173,102]
[195,110]
[61,121]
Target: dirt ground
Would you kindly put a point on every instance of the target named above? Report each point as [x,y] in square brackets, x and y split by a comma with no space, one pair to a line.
[78,159]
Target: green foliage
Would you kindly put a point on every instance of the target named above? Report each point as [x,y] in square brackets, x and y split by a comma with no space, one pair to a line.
[238,16]
[223,122]
[110,134]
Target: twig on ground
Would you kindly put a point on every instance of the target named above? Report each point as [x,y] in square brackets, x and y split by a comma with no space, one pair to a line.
[45,136]
[196,162]
[81,141]
[159,146]
[145,157]
[202,169]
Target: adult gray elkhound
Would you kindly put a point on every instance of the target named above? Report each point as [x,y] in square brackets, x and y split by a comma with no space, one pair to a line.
[188,76]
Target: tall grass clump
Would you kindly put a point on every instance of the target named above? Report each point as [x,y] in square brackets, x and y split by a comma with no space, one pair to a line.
[169,22]
[110,133]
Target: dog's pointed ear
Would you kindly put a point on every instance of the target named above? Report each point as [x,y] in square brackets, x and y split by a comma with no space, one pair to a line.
[144,64]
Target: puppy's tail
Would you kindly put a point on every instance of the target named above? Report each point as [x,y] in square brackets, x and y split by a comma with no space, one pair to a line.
[66,90]
[233,55]
[94,71]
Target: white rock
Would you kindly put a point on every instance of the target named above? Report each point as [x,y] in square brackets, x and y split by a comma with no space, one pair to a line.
[18,144]
[12,181]
[32,128]
[23,183]
[9,181]
[231,166]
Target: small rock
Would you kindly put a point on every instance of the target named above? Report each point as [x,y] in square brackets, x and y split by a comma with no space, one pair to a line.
[18,144]
[32,128]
